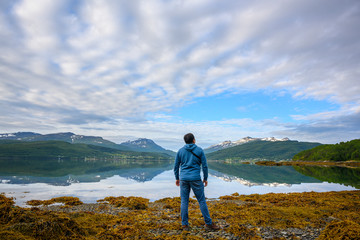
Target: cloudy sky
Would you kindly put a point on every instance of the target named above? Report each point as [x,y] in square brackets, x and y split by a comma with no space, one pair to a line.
[223,70]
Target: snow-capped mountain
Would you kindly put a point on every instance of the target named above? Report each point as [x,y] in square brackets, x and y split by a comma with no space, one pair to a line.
[63,136]
[228,143]
[145,145]
[21,136]
[139,145]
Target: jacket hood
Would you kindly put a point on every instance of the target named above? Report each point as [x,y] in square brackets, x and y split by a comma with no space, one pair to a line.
[190,147]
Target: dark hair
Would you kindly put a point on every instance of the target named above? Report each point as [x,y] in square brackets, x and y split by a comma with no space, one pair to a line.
[189,138]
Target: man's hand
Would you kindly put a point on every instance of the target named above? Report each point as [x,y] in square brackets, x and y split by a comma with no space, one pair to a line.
[177,183]
[205,183]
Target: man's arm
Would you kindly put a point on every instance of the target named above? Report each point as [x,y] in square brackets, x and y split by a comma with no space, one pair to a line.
[204,168]
[176,169]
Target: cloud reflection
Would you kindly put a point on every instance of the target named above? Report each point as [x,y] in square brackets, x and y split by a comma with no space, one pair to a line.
[161,186]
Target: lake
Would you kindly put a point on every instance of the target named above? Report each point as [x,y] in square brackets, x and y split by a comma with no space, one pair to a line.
[28,179]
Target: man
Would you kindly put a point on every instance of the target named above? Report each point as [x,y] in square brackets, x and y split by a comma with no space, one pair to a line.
[188,160]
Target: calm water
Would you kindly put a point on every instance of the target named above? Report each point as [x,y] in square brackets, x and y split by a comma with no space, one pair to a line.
[27,179]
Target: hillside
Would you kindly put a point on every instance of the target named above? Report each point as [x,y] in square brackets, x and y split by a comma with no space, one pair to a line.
[331,152]
[228,143]
[262,150]
[145,145]
[140,145]
[15,149]
[65,137]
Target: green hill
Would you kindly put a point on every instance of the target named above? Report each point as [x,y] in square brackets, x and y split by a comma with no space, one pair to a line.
[262,150]
[64,137]
[140,145]
[15,149]
[331,152]
[145,145]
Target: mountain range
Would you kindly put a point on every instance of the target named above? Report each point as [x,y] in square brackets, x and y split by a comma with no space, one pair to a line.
[245,148]
[139,145]
[28,151]
[227,144]
[262,150]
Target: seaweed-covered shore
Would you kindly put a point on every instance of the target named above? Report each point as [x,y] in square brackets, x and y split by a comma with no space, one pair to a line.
[311,215]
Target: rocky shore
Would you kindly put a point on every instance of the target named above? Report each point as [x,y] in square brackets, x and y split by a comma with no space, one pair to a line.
[308,233]
[270,216]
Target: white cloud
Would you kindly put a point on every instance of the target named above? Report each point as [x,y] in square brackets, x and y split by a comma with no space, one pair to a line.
[129,60]
[39,23]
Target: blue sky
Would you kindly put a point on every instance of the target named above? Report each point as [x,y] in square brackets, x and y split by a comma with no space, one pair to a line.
[157,69]
[255,105]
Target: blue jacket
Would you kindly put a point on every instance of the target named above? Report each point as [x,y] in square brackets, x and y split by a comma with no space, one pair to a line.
[189,164]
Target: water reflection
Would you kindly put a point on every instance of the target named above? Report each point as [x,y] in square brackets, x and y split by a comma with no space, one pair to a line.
[342,175]
[92,180]
[257,175]
[63,173]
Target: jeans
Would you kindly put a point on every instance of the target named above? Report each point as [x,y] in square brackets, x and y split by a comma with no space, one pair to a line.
[198,189]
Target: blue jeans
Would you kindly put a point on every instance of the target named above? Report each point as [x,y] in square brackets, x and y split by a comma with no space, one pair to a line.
[198,189]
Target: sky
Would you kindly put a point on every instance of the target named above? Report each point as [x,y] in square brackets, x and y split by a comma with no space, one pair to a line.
[158,69]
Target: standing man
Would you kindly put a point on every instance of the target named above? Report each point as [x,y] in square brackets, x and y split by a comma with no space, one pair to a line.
[188,160]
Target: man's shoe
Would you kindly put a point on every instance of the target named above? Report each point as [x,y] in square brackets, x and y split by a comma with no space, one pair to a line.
[185,228]
[212,227]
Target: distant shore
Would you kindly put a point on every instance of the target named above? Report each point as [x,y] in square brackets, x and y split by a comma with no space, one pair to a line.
[310,163]
[308,215]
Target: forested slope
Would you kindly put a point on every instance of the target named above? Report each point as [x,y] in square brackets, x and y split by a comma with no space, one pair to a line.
[262,150]
[331,152]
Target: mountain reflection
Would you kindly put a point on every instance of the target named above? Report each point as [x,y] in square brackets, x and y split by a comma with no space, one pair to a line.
[343,175]
[64,172]
[252,175]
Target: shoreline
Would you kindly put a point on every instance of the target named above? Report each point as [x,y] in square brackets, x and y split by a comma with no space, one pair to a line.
[350,164]
[308,215]
[21,198]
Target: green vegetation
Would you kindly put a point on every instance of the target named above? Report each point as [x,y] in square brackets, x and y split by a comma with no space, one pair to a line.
[63,137]
[140,145]
[56,149]
[331,152]
[262,150]
[52,149]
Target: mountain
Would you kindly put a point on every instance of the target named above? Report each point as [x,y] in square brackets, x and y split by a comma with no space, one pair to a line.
[332,152]
[275,150]
[227,144]
[65,136]
[25,136]
[140,145]
[145,145]
[13,149]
